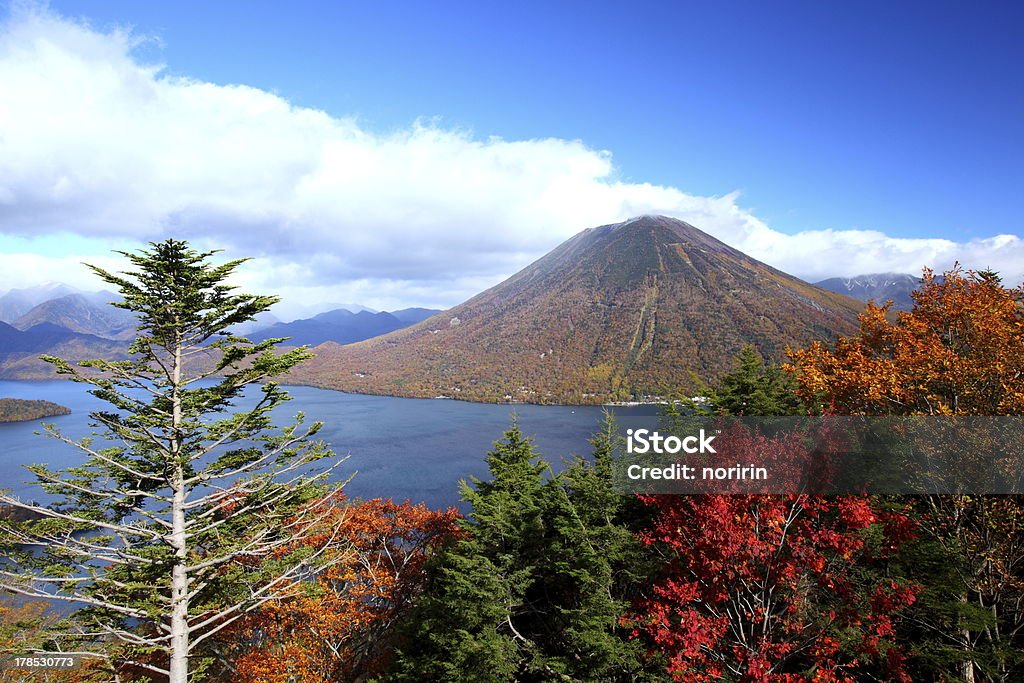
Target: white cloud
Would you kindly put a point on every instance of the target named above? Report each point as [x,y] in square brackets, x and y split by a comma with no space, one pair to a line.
[94,142]
[25,269]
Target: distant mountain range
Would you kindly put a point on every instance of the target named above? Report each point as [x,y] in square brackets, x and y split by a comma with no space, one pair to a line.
[20,349]
[55,319]
[880,287]
[342,326]
[260,322]
[640,308]
[304,311]
[37,338]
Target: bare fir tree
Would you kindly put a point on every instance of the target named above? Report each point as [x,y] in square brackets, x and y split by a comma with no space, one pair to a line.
[186,511]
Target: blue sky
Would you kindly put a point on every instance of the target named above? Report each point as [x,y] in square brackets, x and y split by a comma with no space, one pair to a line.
[896,125]
[907,117]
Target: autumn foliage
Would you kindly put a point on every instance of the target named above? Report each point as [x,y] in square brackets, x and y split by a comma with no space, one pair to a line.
[774,588]
[960,351]
[338,627]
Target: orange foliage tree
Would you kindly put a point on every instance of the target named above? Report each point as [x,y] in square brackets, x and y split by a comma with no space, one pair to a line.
[338,626]
[960,351]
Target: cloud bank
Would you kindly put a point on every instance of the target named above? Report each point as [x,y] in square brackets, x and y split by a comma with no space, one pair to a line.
[96,143]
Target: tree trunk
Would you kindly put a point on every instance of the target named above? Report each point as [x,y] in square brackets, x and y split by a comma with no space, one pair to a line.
[968,671]
[179,579]
[179,589]
[968,665]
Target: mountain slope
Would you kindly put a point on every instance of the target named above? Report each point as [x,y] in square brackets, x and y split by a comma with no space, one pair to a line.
[644,307]
[881,287]
[85,314]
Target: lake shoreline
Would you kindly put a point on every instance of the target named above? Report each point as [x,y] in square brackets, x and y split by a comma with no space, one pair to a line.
[314,385]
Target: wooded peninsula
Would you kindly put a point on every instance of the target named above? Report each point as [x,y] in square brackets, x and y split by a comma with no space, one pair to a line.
[18,409]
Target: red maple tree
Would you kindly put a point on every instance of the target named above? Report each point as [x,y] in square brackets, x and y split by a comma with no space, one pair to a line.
[774,588]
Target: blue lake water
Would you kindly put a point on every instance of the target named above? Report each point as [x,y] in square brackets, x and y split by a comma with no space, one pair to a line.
[401,448]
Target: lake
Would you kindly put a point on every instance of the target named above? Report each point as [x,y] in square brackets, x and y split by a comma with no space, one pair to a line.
[400,448]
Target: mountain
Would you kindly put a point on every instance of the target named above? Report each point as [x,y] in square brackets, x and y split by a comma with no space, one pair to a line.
[410,316]
[85,314]
[355,308]
[641,308]
[20,349]
[342,326]
[17,302]
[10,338]
[36,339]
[261,322]
[305,311]
[881,287]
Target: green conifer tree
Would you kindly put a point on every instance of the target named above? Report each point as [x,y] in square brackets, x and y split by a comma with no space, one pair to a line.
[754,389]
[592,568]
[535,588]
[464,627]
[173,526]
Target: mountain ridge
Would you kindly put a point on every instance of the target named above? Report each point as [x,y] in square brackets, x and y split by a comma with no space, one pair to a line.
[14,303]
[20,349]
[341,326]
[879,287]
